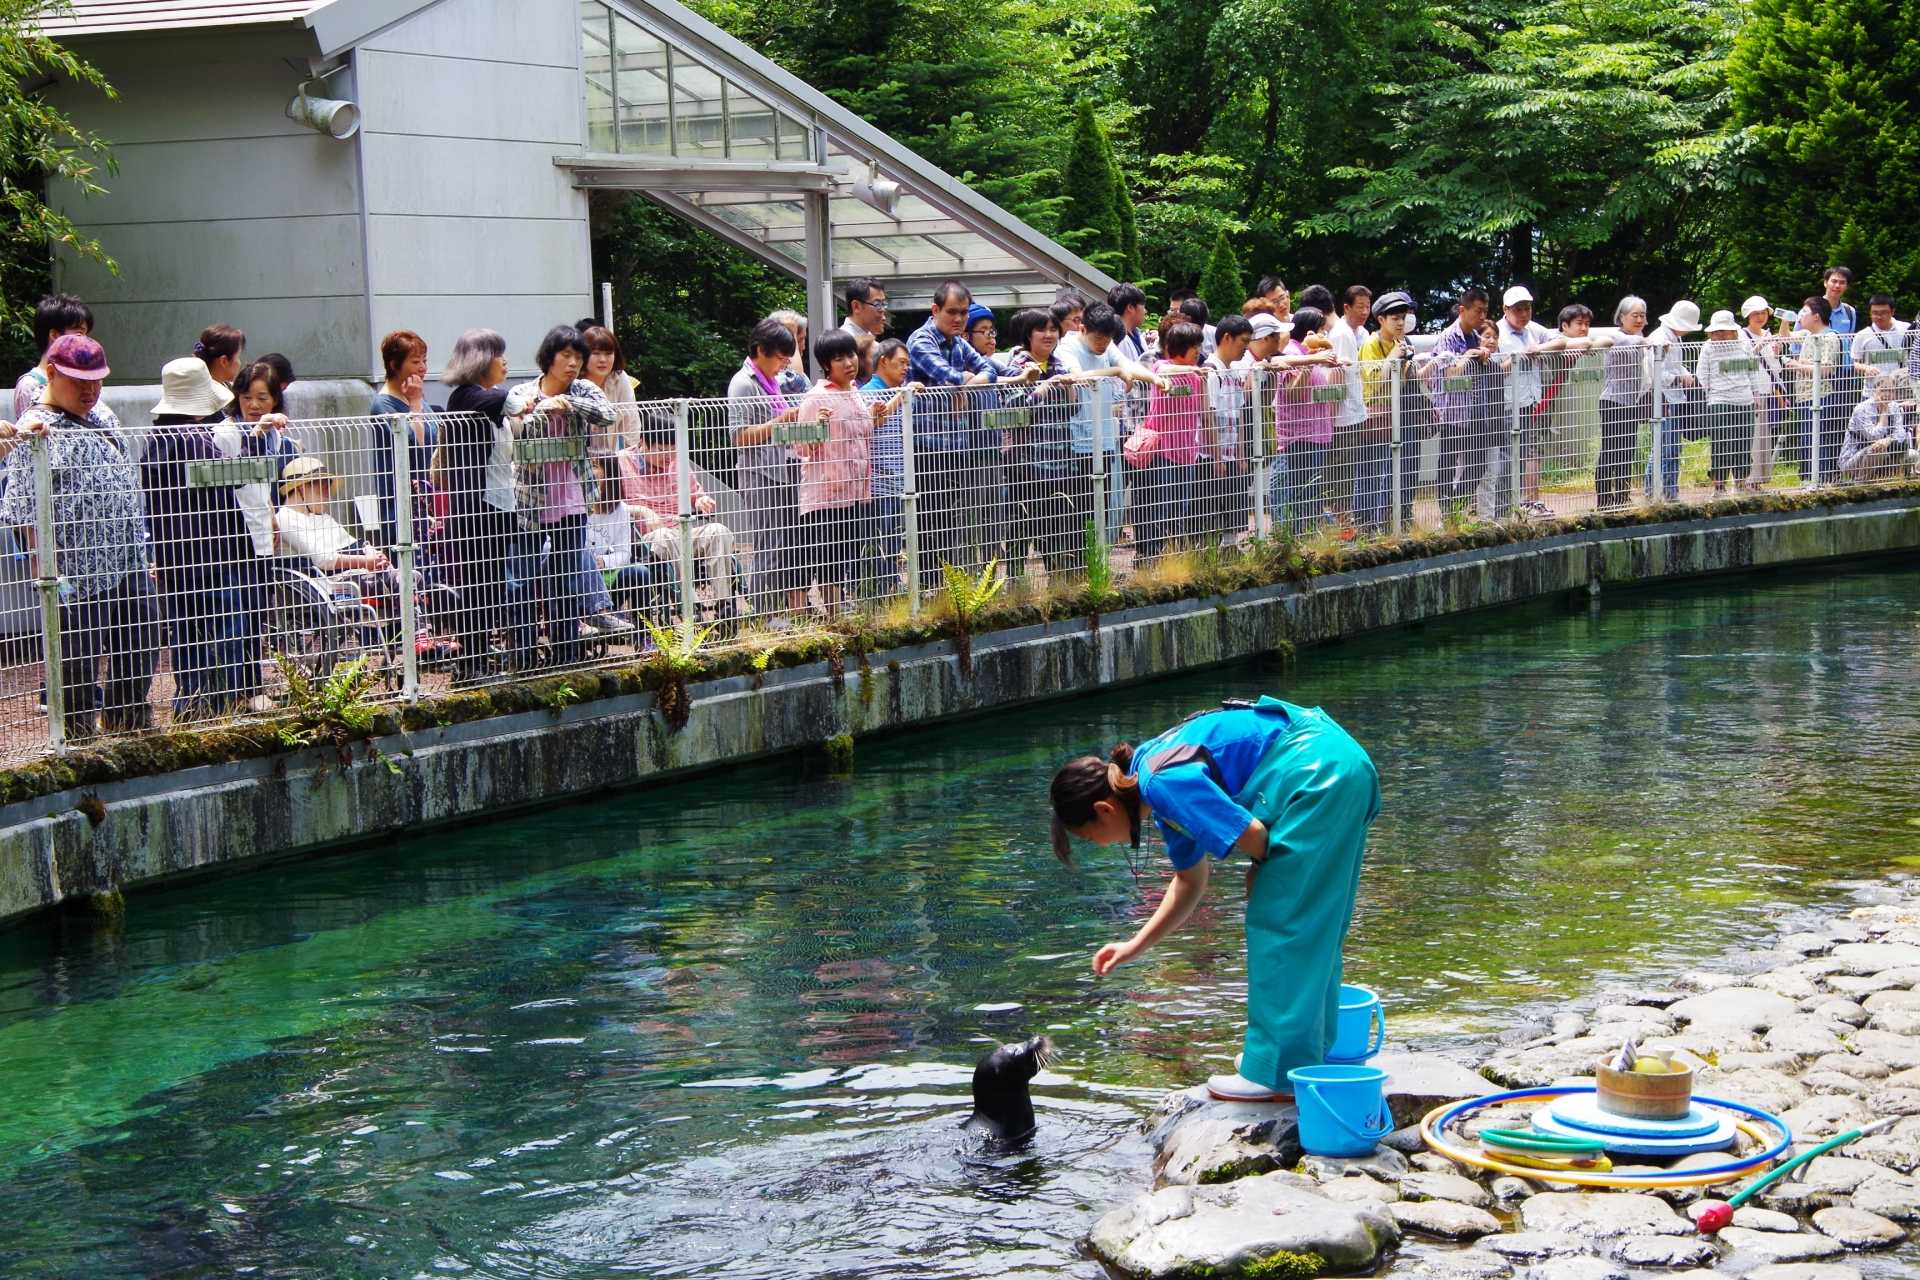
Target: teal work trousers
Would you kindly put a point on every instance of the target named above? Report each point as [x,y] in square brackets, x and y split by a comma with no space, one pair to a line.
[1317,793]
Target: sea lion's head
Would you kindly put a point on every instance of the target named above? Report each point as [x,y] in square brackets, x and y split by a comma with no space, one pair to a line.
[1002,1108]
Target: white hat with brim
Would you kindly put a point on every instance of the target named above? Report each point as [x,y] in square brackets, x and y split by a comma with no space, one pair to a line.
[1684,318]
[1266,326]
[1753,304]
[1723,322]
[1515,296]
[187,388]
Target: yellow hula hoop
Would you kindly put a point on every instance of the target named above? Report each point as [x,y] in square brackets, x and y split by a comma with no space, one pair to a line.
[1576,1178]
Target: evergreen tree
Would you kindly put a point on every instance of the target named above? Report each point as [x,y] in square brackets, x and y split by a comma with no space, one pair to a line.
[1130,268]
[1222,286]
[1828,94]
[1089,214]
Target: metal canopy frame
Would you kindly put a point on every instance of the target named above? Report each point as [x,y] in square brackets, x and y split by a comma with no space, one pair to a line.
[689,117]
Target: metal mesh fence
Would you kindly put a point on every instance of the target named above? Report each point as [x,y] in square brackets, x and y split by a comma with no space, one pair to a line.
[207,571]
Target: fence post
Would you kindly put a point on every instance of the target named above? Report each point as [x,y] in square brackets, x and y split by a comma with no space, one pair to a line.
[910,505]
[47,555]
[1102,417]
[1395,445]
[1259,450]
[1813,421]
[683,482]
[403,554]
[1513,439]
[1655,476]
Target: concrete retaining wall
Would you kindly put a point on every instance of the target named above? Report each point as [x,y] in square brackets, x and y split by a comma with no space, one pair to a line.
[148,830]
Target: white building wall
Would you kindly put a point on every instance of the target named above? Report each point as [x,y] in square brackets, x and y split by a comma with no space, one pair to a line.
[469,222]
[223,210]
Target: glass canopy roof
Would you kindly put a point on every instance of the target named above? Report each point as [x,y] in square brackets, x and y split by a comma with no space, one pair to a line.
[680,111]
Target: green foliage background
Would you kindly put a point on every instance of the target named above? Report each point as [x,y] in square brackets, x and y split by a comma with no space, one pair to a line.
[1589,147]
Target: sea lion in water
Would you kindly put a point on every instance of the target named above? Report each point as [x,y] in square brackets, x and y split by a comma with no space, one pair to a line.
[1002,1109]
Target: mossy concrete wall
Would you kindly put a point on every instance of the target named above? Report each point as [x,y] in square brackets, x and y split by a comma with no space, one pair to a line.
[149,830]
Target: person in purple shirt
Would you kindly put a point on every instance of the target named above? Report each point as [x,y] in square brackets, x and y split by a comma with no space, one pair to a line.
[1462,375]
[955,452]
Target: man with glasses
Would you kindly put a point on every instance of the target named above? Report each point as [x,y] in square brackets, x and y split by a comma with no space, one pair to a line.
[955,448]
[866,308]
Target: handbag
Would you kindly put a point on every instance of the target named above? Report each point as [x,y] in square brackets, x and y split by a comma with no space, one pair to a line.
[1141,447]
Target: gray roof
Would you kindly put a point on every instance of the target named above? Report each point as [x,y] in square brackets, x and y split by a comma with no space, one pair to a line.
[102,17]
[336,24]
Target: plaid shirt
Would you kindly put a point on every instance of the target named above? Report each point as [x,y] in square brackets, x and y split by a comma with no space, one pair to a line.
[948,420]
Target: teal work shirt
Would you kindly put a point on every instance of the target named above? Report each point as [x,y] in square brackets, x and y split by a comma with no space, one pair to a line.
[1190,774]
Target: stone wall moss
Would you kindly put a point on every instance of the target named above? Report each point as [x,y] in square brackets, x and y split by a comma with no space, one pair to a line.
[1267,563]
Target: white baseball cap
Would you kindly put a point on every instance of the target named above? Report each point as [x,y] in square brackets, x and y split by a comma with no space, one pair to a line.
[1517,294]
[1753,304]
[1265,326]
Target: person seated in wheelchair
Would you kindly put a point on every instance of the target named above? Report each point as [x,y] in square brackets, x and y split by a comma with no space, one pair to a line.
[650,484]
[616,590]
[307,528]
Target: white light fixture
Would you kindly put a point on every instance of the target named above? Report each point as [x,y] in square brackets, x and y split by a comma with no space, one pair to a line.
[877,192]
[335,117]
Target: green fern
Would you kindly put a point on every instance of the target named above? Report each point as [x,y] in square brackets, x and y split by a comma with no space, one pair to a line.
[335,710]
[678,651]
[969,595]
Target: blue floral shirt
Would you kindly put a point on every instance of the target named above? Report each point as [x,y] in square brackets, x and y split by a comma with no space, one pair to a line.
[99,522]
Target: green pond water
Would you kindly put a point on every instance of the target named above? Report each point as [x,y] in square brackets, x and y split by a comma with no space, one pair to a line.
[725,1027]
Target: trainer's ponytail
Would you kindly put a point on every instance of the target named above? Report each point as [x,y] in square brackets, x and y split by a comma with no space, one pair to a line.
[1082,783]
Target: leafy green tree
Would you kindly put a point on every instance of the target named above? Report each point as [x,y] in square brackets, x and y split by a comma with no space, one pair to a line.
[1090,216]
[1222,287]
[1828,94]
[1536,138]
[40,145]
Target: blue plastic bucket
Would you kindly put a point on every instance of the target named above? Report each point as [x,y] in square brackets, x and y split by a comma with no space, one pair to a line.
[1343,1109]
[1362,1028]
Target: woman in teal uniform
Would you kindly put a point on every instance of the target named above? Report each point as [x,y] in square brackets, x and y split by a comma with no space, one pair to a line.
[1293,791]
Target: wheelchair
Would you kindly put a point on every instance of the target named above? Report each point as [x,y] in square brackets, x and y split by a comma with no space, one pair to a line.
[315,628]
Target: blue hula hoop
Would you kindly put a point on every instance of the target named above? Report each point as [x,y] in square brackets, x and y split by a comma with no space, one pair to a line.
[1779,1126]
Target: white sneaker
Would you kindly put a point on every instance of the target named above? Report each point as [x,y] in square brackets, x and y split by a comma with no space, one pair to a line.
[612,623]
[1237,1088]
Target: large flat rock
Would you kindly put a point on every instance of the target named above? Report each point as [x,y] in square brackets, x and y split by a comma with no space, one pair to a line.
[1200,1140]
[1419,1082]
[1774,1246]
[1743,1008]
[1223,1231]
[1601,1215]
[1876,957]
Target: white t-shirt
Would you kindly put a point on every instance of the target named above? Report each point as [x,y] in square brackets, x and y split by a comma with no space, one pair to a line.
[315,535]
[1228,388]
[1525,375]
[610,536]
[1346,344]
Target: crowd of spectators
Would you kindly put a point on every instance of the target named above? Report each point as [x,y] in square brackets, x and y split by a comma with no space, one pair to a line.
[552,513]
